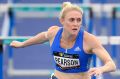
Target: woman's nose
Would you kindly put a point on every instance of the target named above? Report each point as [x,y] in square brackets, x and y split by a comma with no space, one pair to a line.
[75,22]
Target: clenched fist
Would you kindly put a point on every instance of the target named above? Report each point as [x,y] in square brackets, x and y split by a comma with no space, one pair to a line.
[95,71]
[16,44]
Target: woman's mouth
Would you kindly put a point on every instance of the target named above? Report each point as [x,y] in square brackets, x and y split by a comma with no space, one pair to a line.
[75,29]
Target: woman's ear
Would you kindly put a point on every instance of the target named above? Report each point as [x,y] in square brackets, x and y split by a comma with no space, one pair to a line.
[61,20]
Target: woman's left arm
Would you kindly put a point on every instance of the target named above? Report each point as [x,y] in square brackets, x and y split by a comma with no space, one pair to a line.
[100,51]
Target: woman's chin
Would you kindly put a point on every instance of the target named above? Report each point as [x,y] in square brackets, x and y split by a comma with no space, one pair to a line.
[74,33]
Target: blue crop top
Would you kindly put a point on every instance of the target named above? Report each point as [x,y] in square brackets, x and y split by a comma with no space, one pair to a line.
[72,60]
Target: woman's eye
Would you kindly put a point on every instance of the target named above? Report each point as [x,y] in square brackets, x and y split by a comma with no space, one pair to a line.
[72,19]
[79,19]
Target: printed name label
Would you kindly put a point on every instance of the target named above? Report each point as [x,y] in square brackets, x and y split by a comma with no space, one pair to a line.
[66,62]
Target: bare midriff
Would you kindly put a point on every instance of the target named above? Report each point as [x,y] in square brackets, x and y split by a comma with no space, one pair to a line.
[62,75]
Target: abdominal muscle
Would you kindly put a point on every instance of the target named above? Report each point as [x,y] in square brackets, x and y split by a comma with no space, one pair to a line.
[61,75]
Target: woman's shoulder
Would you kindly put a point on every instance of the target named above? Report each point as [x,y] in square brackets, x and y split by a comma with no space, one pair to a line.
[91,38]
[52,31]
[52,28]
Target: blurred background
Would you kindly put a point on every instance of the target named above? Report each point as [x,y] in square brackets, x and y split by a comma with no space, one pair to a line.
[22,19]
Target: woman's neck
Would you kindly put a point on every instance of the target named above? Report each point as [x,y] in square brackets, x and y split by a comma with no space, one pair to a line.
[68,37]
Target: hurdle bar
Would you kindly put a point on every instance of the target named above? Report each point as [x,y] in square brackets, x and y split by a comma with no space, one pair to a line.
[41,10]
[113,40]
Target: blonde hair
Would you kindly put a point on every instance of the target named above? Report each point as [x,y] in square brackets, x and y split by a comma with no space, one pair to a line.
[67,6]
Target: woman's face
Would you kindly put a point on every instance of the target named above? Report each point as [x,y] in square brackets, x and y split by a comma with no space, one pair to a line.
[72,21]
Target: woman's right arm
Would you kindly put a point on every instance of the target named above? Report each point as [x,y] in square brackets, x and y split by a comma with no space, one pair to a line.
[37,39]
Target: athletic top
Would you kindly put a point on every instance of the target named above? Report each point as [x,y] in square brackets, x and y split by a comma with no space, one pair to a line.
[73,60]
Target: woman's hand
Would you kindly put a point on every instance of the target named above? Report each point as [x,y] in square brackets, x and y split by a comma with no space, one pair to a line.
[16,44]
[95,71]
